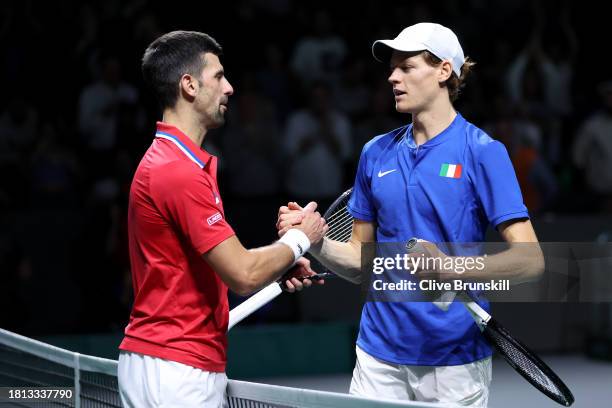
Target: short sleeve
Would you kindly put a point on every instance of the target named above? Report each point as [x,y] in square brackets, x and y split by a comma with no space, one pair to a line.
[188,201]
[360,204]
[497,186]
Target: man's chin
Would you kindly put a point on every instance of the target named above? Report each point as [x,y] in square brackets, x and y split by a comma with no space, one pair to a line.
[217,122]
[402,108]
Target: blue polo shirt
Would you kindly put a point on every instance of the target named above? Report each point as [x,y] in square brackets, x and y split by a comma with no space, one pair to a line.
[449,189]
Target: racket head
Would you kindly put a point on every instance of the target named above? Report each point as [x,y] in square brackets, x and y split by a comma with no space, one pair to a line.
[338,219]
[528,364]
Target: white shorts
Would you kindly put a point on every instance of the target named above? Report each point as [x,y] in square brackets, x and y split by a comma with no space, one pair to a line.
[146,381]
[464,385]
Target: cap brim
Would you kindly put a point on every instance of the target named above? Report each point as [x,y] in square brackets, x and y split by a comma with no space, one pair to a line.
[382,49]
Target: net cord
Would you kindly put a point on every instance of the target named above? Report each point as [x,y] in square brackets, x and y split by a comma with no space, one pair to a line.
[285,396]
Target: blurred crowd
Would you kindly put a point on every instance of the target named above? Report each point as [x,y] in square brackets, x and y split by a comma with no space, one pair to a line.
[75,119]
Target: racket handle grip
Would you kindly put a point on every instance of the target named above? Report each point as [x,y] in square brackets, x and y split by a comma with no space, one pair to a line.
[480,316]
[246,308]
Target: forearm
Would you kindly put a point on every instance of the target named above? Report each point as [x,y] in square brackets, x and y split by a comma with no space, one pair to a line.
[343,258]
[245,271]
[265,264]
[522,262]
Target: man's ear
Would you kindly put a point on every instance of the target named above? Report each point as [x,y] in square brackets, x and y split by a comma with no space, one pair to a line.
[445,71]
[189,86]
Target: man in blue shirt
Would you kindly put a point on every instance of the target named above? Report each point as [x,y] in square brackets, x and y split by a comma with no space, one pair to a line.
[443,180]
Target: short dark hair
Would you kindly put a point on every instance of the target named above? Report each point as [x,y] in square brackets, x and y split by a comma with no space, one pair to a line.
[171,56]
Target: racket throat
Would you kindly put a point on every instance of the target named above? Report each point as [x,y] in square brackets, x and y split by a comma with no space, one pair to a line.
[480,316]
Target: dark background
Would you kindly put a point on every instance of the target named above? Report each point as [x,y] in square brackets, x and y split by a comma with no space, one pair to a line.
[69,67]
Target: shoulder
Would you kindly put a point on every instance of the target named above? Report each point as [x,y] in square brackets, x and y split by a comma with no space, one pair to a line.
[479,143]
[177,176]
[382,142]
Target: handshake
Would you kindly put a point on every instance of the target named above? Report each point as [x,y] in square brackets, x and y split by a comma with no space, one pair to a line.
[305,219]
[310,228]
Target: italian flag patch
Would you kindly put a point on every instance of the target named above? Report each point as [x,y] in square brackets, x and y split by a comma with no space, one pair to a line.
[450,170]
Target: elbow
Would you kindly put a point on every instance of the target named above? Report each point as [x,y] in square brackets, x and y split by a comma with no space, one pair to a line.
[244,292]
[244,287]
[245,279]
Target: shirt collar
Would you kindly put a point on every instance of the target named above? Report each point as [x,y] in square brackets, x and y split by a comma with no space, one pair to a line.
[193,152]
[439,138]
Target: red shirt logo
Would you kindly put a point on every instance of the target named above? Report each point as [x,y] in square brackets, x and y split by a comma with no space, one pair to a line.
[216,217]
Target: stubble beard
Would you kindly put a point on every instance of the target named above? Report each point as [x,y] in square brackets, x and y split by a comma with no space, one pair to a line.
[216,119]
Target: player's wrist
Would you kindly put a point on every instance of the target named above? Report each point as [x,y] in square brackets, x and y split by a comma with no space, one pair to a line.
[316,248]
[297,241]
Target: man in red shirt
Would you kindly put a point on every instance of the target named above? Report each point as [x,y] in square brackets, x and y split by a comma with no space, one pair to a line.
[184,255]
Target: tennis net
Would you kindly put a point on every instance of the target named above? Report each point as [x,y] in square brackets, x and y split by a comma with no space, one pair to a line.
[26,362]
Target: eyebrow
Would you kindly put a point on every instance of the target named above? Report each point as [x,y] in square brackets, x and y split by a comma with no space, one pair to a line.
[399,64]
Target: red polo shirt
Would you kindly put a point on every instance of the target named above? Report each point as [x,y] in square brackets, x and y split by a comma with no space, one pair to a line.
[180,310]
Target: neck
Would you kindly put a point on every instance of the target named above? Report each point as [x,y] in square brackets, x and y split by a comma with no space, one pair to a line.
[187,123]
[430,122]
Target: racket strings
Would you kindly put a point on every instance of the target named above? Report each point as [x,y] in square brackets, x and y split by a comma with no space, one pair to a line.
[339,211]
[341,238]
[528,365]
[531,369]
[340,225]
[338,219]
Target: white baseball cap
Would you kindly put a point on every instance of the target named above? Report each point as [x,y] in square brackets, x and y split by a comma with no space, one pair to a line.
[435,38]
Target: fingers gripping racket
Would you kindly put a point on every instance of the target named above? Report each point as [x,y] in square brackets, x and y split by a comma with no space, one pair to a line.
[340,225]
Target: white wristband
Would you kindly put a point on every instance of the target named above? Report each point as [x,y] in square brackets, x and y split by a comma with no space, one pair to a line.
[297,241]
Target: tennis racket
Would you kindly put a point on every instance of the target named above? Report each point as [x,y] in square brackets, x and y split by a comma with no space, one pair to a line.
[523,360]
[340,225]
[519,356]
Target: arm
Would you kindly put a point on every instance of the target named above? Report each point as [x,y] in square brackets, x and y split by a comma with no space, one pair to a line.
[522,262]
[344,258]
[186,199]
[499,194]
[245,271]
